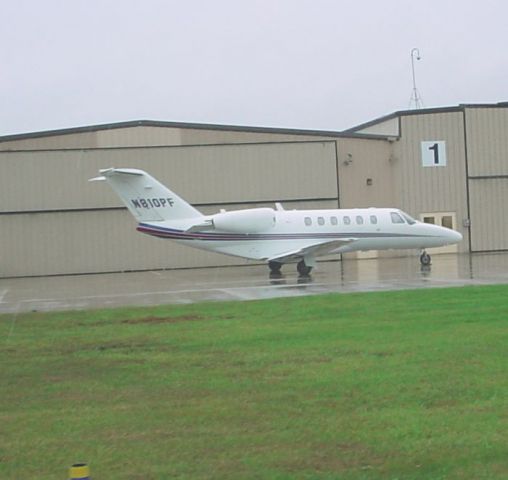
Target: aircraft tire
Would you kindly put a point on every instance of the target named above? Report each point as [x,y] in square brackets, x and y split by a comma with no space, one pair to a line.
[425,259]
[274,267]
[303,269]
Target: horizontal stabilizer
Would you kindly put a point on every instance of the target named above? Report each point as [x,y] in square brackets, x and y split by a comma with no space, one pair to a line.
[128,171]
[206,225]
[107,172]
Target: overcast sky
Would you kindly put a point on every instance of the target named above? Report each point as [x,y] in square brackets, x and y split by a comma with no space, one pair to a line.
[313,64]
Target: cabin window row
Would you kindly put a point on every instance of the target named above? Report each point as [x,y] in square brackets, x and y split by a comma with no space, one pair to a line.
[346,220]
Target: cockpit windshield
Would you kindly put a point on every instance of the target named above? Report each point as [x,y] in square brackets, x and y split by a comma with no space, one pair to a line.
[408,218]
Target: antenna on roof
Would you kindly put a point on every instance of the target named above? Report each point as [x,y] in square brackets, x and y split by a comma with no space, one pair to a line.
[416,99]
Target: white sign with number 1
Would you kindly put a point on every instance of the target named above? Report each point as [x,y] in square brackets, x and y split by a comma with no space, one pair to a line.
[434,154]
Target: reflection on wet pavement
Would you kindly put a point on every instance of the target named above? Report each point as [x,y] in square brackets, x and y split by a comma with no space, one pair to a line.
[248,282]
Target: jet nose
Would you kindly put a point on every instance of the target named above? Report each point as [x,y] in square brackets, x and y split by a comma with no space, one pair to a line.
[454,236]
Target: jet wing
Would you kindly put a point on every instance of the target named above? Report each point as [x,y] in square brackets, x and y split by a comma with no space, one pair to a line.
[315,250]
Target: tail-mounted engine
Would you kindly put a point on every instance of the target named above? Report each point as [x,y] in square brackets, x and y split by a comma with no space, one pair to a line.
[245,221]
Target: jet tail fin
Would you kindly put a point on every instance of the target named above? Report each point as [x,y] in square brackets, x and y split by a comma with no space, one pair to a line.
[145,197]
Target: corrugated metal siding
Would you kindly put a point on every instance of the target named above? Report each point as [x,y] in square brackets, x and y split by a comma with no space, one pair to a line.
[155,136]
[489,215]
[85,242]
[75,140]
[209,137]
[138,136]
[487,141]
[57,180]
[421,189]
[360,160]
[388,127]
[487,151]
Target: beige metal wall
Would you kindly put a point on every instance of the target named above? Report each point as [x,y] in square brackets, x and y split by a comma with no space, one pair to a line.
[421,189]
[360,160]
[52,221]
[57,180]
[489,217]
[149,136]
[487,153]
[388,127]
[75,140]
[487,141]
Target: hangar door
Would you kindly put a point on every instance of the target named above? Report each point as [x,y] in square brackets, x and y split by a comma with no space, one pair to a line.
[53,221]
[487,153]
[488,214]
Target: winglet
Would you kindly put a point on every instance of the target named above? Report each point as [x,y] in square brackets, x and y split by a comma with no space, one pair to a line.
[206,225]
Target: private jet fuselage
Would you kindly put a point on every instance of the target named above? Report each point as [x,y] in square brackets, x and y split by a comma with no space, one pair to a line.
[276,236]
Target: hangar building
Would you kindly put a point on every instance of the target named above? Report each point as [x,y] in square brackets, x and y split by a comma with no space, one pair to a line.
[443,165]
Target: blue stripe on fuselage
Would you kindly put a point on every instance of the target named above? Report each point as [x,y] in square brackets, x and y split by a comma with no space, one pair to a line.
[175,234]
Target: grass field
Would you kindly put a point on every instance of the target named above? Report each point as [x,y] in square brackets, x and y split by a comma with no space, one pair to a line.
[392,385]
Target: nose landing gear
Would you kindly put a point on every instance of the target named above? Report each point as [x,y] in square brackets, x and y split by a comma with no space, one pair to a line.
[425,259]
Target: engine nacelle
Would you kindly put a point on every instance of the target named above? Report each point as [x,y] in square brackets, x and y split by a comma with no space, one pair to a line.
[245,221]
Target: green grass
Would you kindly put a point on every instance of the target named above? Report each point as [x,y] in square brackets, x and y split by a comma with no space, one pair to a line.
[391,385]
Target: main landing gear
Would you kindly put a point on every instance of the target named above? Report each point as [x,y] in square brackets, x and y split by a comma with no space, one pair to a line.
[275,269]
[302,268]
[425,259]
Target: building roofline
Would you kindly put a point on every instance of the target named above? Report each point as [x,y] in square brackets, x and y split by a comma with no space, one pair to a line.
[349,133]
[183,125]
[424,111]
[402,113]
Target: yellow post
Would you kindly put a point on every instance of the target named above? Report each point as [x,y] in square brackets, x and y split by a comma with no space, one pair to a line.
[79,471]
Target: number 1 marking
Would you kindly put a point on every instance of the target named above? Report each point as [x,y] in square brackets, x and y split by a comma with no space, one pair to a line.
[435,148]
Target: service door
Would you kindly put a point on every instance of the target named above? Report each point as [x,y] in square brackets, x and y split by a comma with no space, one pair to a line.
[488,214]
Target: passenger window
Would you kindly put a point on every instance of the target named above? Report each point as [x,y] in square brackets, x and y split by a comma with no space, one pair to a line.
[396,218]
[373,219]
[334,221]
[308,221]
[347,220]
[320,221]
[359,220]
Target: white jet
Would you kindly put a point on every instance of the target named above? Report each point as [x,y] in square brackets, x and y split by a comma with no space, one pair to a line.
[276,236]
